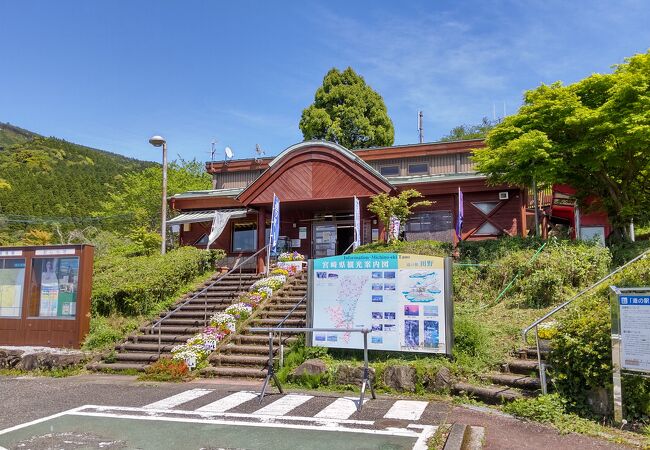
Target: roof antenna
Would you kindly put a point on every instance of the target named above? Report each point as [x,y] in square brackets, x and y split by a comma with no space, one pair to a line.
[420,127]
[213,150]
[259,153]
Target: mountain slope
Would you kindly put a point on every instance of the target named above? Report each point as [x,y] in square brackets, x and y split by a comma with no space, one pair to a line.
[11,134]
[50,177]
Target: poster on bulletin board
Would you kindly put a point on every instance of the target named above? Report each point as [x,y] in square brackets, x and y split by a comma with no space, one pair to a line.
[404,299]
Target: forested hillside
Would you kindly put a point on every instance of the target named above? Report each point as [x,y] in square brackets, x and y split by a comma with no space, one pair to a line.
[11,134]
[45,178]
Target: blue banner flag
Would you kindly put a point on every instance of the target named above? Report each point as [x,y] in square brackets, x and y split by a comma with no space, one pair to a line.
[275,223]
[357,223]
[461,214]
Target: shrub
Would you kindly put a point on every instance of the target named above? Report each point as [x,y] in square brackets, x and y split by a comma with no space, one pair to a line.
[133,286]
[489,250]
[581,350]
[545,408]
[423,247]
[106,331]
[166,369]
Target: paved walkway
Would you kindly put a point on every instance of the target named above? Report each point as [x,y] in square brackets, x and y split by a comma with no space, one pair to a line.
[220,401]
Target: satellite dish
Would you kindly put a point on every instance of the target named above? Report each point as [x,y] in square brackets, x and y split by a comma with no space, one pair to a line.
[229,152]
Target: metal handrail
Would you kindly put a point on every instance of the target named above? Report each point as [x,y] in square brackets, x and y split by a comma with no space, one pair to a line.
[525,331]
[239,266]
[348,249]
[279,325]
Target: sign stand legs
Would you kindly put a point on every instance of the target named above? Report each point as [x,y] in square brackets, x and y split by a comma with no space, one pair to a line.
[270,372]
[366,373]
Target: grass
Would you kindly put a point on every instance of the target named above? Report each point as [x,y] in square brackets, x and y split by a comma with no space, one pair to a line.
[53,373]
[106,331]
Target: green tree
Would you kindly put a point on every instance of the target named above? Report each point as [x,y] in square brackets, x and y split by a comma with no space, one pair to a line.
[348,111]
[593,135]
[465,131]
[400,206]
[138,197]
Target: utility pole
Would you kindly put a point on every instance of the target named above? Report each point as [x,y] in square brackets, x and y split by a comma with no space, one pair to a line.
[420,127]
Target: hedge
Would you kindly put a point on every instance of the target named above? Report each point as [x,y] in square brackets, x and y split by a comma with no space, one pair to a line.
[581,357]
[134,285]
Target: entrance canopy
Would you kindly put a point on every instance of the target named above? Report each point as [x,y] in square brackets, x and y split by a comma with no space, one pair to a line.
[205,216]
[315,170]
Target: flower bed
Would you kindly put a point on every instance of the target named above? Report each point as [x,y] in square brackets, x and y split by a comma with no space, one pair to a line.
[198,347]
[290,256]
[292,262]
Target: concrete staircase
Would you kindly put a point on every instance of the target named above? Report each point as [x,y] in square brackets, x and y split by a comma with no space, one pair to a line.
[141,349]
[518,378]
[246,355]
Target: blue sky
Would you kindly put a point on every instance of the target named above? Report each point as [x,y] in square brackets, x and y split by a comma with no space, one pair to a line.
[109,74]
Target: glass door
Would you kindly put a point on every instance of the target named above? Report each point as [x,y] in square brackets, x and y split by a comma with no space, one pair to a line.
[324,240]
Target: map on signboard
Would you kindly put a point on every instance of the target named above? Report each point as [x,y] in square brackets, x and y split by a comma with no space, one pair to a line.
[399,297]
[347,298]
[426,288]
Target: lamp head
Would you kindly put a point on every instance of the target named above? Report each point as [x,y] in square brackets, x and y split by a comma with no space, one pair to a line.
[157,141]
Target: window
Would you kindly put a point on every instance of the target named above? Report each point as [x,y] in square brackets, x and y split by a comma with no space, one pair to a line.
[244,237]
[436,225]
[487,229]
[187,227]
[54,284]
[12,280]
[202,241]
[418,169]
[388,171]
[485,207]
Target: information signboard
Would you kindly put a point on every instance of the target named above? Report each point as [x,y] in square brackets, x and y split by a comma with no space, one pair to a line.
[405,299]
[630,337]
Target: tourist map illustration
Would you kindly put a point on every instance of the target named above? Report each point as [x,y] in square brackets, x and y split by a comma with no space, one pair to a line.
[399,297]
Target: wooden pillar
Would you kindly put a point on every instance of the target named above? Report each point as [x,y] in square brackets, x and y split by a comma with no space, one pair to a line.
[261,229]
[523,204]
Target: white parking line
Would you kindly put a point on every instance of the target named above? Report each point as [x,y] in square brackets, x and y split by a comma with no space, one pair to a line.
[178,399]
[341,408]
[406,410]
[282,406]
[229,402]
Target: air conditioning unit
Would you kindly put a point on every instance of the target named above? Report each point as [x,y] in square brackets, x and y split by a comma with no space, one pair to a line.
[503,196]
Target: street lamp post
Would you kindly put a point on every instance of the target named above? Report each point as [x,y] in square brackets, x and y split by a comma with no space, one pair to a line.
[158,141]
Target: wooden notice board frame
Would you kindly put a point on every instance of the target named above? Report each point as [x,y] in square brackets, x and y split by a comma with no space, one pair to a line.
[32,328]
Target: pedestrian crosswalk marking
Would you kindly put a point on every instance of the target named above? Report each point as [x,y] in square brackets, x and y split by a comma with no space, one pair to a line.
[283,405]
[341,408]
[178,399]
[406,410]
[229,402]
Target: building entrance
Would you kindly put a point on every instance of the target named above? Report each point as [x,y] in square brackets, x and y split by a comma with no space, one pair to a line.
[332,237]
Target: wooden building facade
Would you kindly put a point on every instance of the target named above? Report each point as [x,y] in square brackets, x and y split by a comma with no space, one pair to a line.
[316,182]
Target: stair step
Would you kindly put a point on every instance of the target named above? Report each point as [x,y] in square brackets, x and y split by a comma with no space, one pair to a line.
[262,339]
[188,321]
[491,394]
[521,366]
[275,321]
[116,366]
[513,380]
[143,357]
[140,347]
[165,329]
[191,314]
[245,360]
[248,349]
[235,372]
[531,352]
[167,338]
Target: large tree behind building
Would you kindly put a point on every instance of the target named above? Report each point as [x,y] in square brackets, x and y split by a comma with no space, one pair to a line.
[593,135]
[348,111]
